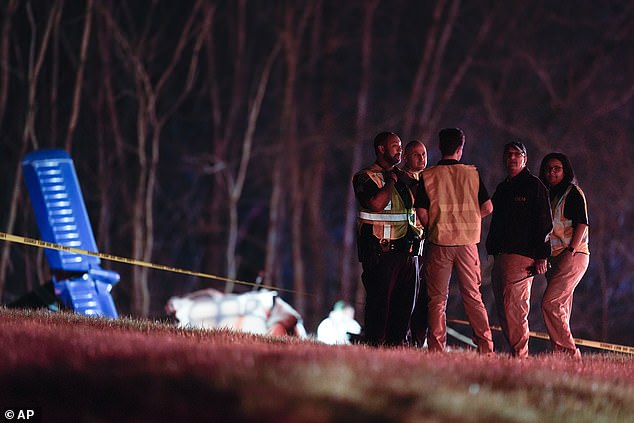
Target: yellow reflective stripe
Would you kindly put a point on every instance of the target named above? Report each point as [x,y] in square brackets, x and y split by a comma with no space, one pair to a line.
[384,217]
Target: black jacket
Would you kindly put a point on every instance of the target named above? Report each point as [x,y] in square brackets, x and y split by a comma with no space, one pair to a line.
[521,221]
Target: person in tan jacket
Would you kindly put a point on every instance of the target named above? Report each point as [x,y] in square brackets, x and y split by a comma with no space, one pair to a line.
[570,251]
[450,203]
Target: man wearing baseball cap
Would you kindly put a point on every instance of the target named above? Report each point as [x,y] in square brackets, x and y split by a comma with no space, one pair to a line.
[519,240]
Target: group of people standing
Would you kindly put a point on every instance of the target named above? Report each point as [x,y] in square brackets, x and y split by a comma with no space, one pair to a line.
[539,225]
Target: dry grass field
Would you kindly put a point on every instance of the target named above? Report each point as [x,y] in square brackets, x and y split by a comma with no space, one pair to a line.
[68,367]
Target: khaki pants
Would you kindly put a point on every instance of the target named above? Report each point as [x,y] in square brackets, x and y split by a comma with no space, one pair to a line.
[512,282]
[438,265]
[563,277]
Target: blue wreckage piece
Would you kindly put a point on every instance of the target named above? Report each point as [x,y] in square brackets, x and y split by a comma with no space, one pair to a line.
[79,281]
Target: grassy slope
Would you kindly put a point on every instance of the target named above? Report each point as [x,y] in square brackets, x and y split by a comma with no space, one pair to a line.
[80,369]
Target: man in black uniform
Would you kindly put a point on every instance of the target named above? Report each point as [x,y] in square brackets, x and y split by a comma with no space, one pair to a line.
[387,241]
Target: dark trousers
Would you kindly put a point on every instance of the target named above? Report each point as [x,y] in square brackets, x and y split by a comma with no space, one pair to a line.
[390,281]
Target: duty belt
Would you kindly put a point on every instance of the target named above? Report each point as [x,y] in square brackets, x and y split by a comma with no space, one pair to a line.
[401,244]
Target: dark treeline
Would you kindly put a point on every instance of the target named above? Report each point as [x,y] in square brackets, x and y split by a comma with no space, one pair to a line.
[221,136]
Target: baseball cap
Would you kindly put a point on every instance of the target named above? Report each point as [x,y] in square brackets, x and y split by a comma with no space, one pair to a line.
[515,145]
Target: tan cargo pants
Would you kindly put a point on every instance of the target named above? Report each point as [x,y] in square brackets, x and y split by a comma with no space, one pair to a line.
[438,265]
[512,281]
[565,273]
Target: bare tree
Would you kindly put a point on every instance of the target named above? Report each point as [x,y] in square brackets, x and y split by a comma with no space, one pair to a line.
[54,84]
[293,30]
[236,184]
[111,160]
[350,286]
[5,34]
[37,51]
[211,223]
[150,121]
[232,178]
[437,79]
[79,77]
[316,229]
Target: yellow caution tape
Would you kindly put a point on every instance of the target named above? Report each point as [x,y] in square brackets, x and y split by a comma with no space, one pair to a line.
[580,342]
[44,244]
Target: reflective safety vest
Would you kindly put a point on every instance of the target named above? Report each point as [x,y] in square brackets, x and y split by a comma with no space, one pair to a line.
[394,220]
[561,236]
[454,210]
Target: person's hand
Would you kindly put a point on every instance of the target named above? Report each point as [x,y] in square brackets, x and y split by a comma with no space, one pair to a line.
[540,266]
[390,175]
